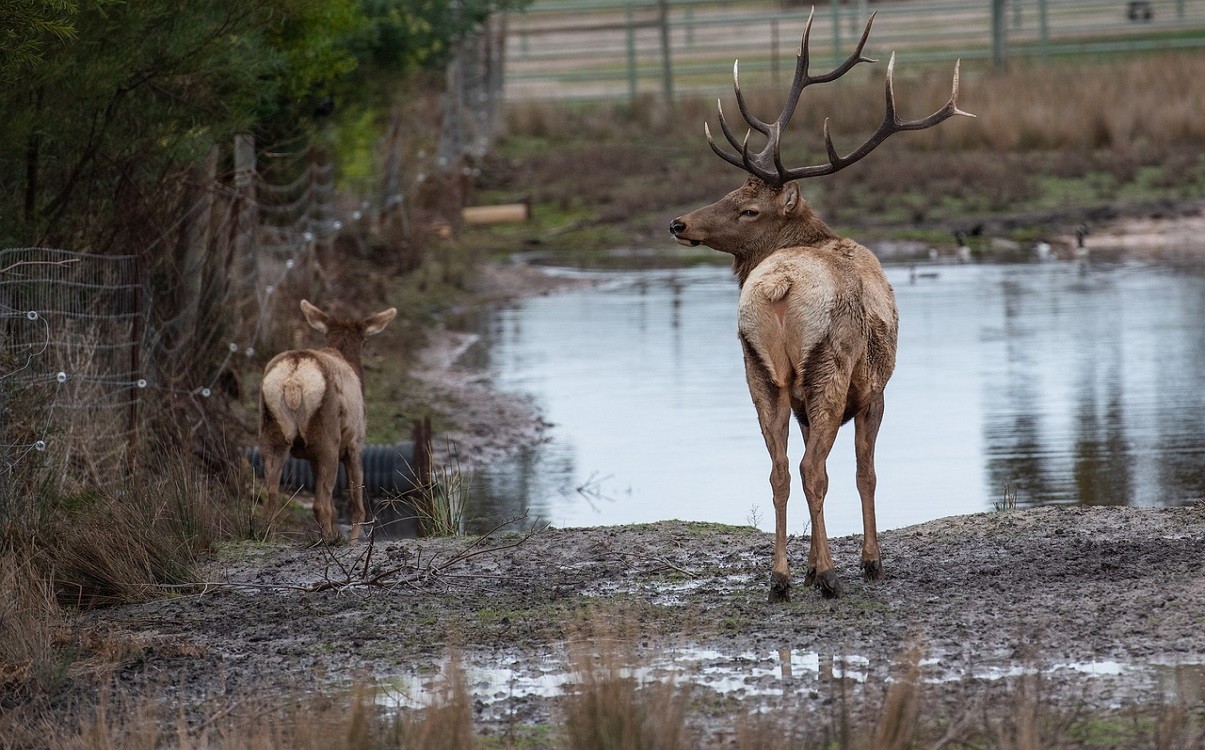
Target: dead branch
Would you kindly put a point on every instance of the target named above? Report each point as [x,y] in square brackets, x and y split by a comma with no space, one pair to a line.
[409,574]
[627,557]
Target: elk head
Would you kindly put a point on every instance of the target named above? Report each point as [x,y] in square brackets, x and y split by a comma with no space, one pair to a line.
[768,212]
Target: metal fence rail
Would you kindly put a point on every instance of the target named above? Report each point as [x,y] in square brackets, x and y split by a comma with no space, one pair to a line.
[606,49]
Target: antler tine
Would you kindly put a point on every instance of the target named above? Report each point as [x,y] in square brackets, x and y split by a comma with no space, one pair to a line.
[854,58]
[891,124]
[724,126]
[733,160]
[754,122]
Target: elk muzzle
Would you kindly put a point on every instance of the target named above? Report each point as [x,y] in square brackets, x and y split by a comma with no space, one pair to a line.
[677,227]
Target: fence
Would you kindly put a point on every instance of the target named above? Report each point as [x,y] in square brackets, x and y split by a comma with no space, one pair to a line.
[608,49]
[96,348]
[93,348]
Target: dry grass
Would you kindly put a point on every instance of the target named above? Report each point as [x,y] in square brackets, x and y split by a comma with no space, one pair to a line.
[609,707]
[119,547]
[613,703]
[30,663]
[1052,139]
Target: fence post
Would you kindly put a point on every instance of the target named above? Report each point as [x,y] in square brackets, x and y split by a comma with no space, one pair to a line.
[774,53]
[246,219]
[998,34]
[195,240]
[136,334]
[1043,31]
[631,44]
[835,5]
[667,68]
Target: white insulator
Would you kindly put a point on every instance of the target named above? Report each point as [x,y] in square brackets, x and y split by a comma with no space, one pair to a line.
[250,352]
[32,315]
[308,236]
[269,289]
[290,263]
[61,377]
[141,383]
[40,445]
[233,347]
[206,392]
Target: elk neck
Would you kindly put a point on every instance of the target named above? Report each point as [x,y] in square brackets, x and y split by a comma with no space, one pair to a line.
[349,342]
[802,229]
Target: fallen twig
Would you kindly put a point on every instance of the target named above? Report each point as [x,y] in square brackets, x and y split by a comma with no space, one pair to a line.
[624,556]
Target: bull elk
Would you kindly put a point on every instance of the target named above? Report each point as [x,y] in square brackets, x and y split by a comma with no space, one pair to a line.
[311,404]
[817,319]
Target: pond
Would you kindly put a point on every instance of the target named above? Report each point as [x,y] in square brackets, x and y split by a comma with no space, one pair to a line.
[1053,383]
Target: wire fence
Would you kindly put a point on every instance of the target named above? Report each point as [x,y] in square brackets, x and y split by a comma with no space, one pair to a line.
[100,352]
[612,49]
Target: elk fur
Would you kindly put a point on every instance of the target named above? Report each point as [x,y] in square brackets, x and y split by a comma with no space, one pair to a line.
[312,406]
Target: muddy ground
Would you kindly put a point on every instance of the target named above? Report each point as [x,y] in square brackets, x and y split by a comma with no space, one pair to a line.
[1107,604]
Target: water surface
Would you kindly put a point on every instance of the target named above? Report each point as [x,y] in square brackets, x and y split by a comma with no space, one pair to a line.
[1057,383]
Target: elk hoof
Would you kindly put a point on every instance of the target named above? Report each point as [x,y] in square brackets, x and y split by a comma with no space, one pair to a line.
[780,588]
[872,570]
[830,587]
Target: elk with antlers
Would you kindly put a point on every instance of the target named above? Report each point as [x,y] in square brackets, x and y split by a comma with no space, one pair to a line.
[817,319]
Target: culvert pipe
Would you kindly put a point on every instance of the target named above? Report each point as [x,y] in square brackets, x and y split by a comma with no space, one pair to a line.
[389,471]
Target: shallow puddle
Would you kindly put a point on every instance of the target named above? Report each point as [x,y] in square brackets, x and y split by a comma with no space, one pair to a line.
[755,674]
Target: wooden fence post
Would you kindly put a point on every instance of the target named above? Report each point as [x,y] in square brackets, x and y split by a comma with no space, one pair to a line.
[999,34]
[667,68]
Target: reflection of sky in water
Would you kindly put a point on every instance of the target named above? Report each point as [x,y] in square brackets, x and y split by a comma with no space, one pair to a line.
[1055,383]
[749,674]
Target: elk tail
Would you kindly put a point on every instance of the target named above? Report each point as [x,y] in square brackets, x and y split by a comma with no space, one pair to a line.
[776,287]
[293,395]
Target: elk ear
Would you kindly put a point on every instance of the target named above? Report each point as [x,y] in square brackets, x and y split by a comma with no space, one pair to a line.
[376,323]
[317,319]
[788,199]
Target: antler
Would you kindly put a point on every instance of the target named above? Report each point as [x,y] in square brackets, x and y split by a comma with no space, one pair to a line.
[767,163]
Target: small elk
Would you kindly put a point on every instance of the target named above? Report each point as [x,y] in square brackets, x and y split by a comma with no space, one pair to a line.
[817,319]
[311,404]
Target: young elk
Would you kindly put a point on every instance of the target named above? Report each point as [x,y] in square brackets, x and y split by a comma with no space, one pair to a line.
[311,404]
[817,319]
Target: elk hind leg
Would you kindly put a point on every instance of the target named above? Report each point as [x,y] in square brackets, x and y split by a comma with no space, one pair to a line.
[866,432]
[821,433]
[326,472]
[274,464]
[774,417]
[354,462]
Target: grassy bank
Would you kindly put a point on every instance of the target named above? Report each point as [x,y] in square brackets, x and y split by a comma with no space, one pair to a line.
[1051,147]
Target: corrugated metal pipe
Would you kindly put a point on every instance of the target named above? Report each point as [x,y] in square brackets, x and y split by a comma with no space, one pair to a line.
[389,471]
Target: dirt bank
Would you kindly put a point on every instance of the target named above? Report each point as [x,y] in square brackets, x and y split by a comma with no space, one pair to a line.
[1108,602]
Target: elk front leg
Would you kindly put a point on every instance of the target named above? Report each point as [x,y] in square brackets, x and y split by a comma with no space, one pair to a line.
[353,460]
[866,432]
[822,432]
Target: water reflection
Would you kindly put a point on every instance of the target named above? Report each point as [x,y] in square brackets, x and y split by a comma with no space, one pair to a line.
[759,673]
[1051,383]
